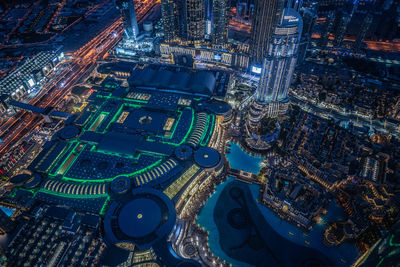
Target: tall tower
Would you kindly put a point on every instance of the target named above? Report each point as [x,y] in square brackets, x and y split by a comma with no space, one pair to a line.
[220,20]
[309,16]
[344,20]
[295,4]
[366,24]
[277,70]
[127,9]
[266,15]
[329,24]
[171,13]
[195,21]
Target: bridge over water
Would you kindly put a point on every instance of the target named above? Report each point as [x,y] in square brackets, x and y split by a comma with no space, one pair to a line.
[247,177]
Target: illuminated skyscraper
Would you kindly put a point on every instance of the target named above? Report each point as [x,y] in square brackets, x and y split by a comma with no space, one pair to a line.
[326,6]
[266,15]
[127,8]
[344,20]
[329,24]
[171,14]
[271,97]
[195,21]
[295,4]
[363,32]
[184,20]
[309,16]
[220,22]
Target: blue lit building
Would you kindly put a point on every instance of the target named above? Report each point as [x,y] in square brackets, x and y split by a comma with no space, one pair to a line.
[127,8]
[295,4]
[271,98]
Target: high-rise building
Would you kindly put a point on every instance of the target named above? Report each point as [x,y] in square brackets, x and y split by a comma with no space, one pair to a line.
[6,225]
[170,13]
[185,20]
[329,25]
[195,21]
[309,16]
[220,22]
[366,24]
[127,8]
[343,22]
[267,14]
[271,98]
[327,6]
[295,4]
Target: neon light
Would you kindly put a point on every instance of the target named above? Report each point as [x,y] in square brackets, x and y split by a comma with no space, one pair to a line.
[64,153]
[98,121]
[103,209]
[190,129]
[205,129]
[210,132]
[391,242]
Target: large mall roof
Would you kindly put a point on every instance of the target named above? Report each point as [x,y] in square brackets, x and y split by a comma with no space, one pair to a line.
[201,82]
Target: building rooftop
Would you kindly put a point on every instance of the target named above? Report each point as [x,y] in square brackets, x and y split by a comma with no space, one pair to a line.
[202,83]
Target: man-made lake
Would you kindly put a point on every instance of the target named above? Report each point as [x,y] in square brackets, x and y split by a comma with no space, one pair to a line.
[244,238]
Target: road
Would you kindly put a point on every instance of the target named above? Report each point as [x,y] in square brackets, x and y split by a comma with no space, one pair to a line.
[83,61]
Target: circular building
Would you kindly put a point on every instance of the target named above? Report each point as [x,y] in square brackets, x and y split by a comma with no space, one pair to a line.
[69,132]
[20,179]
[219,108]
[34,181]
[121,185]
[145,219]
[207,157]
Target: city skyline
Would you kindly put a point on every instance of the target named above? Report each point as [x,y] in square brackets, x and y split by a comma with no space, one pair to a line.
[199,133]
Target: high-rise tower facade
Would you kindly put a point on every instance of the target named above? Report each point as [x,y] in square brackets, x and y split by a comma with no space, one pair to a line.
[266,15]
[344,20]
[127,9]
[170,10]
[328,29]
[366,24]
[195,21]
[271,98]
[184,20]
[220,22]
[295,4]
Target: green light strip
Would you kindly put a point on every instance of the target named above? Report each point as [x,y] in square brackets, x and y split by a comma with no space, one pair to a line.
[53,172]
[96,124]
[210,133]
[391,242]
[190,129]
[77,156]
[103,209]
[113,118]
[205,130]
[94,114]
